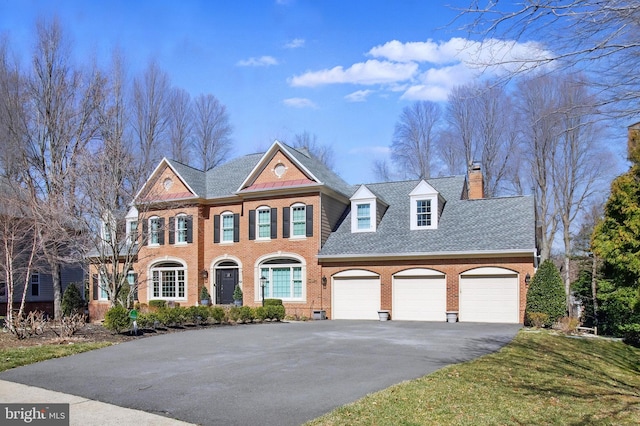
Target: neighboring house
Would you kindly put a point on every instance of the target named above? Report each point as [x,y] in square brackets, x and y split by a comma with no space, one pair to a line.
[283,223]
[16,227]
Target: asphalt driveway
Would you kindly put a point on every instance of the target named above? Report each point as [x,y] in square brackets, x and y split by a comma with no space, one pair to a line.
[263,374]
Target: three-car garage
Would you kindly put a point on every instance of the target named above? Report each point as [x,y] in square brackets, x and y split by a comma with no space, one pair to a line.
[487,294]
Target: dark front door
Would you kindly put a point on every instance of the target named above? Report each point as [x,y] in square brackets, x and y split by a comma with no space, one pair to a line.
[226,281]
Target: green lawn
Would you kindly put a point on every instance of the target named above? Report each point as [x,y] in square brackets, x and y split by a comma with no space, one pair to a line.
[538,379]
[15,357]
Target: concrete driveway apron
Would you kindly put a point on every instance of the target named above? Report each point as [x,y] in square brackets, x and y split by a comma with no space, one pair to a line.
[263,374]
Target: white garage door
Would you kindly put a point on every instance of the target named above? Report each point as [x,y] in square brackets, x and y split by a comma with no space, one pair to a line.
[356,298]
[489,298]
[420,298]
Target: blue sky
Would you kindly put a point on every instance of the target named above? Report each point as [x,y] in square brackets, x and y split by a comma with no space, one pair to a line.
[341,70]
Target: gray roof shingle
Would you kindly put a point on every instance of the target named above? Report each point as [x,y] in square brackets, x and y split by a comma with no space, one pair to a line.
[485,225]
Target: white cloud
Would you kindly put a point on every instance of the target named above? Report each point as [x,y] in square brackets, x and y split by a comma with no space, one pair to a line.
[299,103]
[263,61]
[419,51]
[429,70]
[376,150]
[359,95]
[367,73]
[295,43]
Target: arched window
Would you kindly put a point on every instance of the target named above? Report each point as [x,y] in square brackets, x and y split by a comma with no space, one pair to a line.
[283,278]
[168,281]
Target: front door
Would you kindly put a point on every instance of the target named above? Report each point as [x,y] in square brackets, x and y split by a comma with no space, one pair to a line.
[226,281]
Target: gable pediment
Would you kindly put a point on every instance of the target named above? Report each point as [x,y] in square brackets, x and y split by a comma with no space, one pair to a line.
[165,184]
[278,169]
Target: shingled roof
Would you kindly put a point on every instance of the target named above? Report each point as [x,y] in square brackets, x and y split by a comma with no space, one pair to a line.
[466,226]
[224,180]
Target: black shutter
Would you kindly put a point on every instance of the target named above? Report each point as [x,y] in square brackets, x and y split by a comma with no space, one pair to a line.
[236,227]
[216,228]
[190,229]
[135,286]
[94,285]
[172,230]
[252,224]
[309,210]
[161,231]
[274,223]
[145,232]
[285,222]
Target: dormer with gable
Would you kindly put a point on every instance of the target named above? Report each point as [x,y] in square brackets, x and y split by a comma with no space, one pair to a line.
[426,207]
[366,210]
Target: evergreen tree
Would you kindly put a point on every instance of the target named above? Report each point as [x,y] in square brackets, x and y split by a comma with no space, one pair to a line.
[546,293]
[72,302]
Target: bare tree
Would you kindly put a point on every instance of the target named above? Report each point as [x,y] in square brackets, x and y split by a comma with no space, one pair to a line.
[60,124]
[537,101]
[212,131]
[150,103]
[414,138]
[180,125]
[482,128]
[18,248]
[597,36]
[309,142]
[577,164]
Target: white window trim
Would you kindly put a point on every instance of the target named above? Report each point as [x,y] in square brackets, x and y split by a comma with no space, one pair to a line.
[132,238]
[151,295]
[258,210]
[150,230]
[423,191]
[372,215]
[176,225]
[260,263]
[103,283]
[292,235]
[433,213]
[222,229]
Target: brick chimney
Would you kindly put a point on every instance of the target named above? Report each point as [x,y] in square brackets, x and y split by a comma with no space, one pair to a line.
[476,182]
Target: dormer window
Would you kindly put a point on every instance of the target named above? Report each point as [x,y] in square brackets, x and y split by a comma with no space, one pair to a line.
[364,210]
[424,207]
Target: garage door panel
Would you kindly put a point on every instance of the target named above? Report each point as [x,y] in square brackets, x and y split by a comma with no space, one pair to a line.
[356,298]
[489,299]
[420,299]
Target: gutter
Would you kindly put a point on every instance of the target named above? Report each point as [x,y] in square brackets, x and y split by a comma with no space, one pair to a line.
[428,255]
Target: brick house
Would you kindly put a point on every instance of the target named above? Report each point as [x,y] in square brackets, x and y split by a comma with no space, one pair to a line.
[282,223]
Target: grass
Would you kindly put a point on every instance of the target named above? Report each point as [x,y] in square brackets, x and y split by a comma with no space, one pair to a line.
[538,379]
[16,357]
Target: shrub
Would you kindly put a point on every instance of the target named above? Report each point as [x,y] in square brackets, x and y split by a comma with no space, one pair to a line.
[217,313]
[234,313]
[274,312]
[204,293]
[272,302]
[237,293]
[546,293]
[246,314]
[68,325]
[72,302]
[157,304]
[260,313]
[537,319]
[197,314]
[117,319]
[172,317]
[567,325]
[631,334]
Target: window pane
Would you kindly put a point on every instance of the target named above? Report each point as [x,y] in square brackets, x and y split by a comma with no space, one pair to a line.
[264,223]
[227,227]
[156,283]
[168,284]
[297,282]
[264,272]
[364,216]
[423,210]
[181,283]
[299,221]
[182,229]
[281,282]
[154,226]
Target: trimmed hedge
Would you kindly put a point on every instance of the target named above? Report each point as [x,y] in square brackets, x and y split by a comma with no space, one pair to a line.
[272,302]
[546,294]
[157,304]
